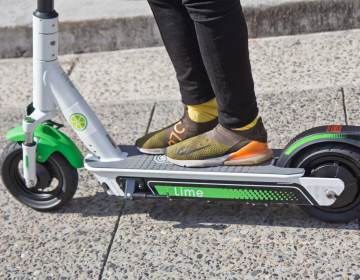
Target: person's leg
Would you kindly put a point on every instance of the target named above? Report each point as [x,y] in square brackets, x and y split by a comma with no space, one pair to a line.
[178,33]
[223,40]
[240,138]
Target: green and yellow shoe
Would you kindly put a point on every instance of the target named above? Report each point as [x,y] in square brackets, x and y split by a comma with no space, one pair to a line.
[156,142]
[222,146]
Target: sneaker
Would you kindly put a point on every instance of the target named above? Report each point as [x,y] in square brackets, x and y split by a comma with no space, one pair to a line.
[156,142]
[222,146]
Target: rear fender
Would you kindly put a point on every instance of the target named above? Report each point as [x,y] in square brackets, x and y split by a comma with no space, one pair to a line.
[347,135]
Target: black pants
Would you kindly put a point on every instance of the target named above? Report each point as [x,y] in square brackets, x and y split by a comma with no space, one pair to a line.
[207,41]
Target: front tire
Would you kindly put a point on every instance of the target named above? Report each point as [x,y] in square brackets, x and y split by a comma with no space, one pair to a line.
[56,184]
[334,161]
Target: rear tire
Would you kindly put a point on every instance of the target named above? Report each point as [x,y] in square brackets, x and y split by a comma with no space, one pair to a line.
[334,161]
[56,184]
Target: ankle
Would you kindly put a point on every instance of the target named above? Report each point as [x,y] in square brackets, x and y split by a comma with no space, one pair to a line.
[204,112]
[248,126]
[255,131]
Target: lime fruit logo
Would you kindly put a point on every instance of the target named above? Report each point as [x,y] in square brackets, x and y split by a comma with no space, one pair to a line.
[78,121]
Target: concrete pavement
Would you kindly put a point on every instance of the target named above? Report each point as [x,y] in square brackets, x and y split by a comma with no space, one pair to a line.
[301,81]
[89,25]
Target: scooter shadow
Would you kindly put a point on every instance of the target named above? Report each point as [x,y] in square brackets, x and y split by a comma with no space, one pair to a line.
[201,214]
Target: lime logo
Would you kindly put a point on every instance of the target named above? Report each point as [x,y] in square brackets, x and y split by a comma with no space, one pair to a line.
[78,121]
[161,159]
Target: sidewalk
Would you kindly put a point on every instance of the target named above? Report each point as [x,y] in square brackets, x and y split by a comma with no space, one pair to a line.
[301,82]
[89,25]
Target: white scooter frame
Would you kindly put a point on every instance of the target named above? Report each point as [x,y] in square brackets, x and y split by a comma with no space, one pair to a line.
[53,92]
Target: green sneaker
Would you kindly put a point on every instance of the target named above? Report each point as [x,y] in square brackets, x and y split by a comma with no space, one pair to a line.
[222,146]
[156,142]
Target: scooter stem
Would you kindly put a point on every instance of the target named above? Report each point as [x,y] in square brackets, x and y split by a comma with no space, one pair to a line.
[45,6]
[52,90]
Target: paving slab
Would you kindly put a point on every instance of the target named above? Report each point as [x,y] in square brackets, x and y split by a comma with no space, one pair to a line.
[306,62]
[70,243]
[89,25]
[187,240]
[16,80]
[352,102]
[144,74]
[283,64]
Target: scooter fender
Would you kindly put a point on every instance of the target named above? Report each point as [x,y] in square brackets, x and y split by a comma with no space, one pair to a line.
[347,135]
[49,141]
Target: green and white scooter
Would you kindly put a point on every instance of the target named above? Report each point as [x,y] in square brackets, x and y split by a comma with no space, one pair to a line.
[319,170]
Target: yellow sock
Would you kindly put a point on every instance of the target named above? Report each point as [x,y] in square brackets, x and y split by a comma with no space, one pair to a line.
[248,126]
[203,112]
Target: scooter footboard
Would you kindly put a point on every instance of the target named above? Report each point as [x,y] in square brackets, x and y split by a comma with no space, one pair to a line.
[145,176]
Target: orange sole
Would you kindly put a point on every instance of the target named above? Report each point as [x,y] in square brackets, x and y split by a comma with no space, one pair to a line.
[252,154]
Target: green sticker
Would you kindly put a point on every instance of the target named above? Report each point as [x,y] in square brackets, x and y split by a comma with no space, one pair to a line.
[311,138]
[78,121]
[225,193]
[26,162]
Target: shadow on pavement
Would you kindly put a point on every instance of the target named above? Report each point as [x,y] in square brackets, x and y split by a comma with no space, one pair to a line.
[200,214]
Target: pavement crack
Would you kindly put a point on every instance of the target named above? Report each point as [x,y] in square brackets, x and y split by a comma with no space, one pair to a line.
[72,65]
[150,119]
[343,97]
[111,243]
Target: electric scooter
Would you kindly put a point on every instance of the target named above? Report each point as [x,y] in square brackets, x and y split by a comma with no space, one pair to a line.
[318,170]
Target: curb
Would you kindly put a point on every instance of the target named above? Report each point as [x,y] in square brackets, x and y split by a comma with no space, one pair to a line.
[141,31]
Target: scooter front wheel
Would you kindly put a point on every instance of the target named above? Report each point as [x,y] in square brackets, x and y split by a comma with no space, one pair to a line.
[56,184]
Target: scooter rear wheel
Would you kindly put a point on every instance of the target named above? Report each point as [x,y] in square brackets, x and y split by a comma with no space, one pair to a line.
[334,161]
[56,184]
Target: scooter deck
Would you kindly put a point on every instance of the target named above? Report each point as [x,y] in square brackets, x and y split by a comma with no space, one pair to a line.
[140,175]
[138,165]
